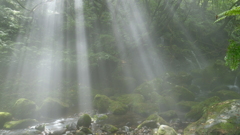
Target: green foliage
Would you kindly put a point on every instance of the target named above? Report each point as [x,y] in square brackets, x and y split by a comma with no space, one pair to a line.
[232,57]
[235,11]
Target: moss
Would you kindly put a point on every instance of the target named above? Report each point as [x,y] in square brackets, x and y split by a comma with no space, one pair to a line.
[162,102]
[197,111]
[169,114]
[158,119]
[130,98]
[148,123]
[4,117]
[101,103]
[226,94]
[166,130]
[155,85]
[219,118]
[53,108]
[144,109]
[84,120]
[85,130]
[19,124]
[117,108]
[181,78]
[186,106]
[24,108]
[100,117]
[180,93]
[109,128]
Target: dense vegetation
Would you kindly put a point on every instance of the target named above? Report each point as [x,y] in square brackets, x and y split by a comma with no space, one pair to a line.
[180,30]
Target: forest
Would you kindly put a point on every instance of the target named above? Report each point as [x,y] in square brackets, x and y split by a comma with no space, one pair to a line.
[122,67]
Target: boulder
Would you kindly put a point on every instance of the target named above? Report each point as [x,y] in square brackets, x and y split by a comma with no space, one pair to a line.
[152,121]
[155,85]
[130,98]
[59,131]
[109,128]
[219,119]
[85,130]
[100,117]
[24,108]
[84,120]
[166,130]
[181,78]
[53,108]
[185,106]
[162,102]
[20,124]
[117,108]
[4,117]
[179,93]
[226,94]
[145,108]
[197,111]
[168,115]
[101,103]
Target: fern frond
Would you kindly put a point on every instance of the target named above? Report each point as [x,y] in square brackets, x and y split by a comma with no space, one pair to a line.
[232,12]
[219,19]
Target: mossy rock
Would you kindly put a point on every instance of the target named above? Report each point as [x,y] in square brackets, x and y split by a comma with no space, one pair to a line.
[145,108]
[100,117]
[53,108]
[155,85]
[168,115]
[109,128]
[4,117]
[148,123]
[24,108]
[101,103]
[160,101]
[117,108]
[185,106]
[226,94]
[181,78]
[158,118]
[166,130]
[180,93]
[84,120]
[130,98]
[152,121]
[86,130]
[219,118]
[20,124]
[197,110]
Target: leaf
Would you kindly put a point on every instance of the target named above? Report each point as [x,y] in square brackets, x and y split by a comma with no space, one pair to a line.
[232,12]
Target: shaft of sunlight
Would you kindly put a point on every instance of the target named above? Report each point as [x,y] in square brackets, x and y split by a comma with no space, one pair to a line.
[84,88]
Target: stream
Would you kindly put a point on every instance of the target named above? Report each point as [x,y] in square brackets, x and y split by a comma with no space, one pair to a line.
[50,126]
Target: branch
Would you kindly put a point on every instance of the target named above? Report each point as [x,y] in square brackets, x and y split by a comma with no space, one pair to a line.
[35,7]
[22,6]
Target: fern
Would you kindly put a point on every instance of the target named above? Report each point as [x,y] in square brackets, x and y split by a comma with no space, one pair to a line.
[232,12]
